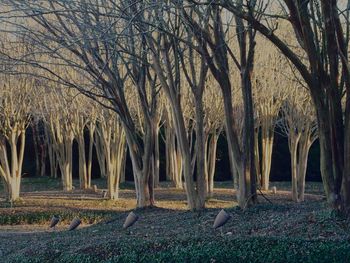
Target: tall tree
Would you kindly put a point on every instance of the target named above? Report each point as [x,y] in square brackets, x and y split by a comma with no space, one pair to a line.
[213,40]
[15,108]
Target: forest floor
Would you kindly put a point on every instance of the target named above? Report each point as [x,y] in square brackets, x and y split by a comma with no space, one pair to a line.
[275,231]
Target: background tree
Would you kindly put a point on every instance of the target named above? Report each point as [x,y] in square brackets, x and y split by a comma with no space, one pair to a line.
[15,108]
[57,112]
[213,40]
[299,124]
[112,150]
[270,80]
[213,126]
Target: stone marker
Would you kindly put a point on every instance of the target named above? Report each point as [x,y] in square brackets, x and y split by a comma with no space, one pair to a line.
[130,220]
[221,219]
[54,221]
[74,224]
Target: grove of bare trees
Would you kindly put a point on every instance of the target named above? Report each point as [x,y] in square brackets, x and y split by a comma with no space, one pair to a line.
[119,78]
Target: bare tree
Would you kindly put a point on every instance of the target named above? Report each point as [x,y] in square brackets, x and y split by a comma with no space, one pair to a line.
[214,124]
[112,142]
[15,107]
[215,48]
[270,80]
[57,110]
[83,116]
[299,124]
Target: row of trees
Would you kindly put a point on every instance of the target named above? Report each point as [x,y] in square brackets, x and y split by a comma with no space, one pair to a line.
[58,117]
[189,47]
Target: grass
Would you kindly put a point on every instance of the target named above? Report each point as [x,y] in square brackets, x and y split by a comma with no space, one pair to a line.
[279,232]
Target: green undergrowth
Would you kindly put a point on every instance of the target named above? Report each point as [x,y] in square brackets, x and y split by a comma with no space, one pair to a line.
[221,249]
[44,217]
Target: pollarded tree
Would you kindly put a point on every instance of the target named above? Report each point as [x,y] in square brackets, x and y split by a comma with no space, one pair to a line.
[299,124]
[57,113]
[213,35]
[83,117]
[213,126]
[112,149]
[269,79]
[15,111]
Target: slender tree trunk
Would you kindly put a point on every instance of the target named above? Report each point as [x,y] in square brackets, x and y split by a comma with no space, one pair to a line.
[212,161]
[202,181]
[91,145]
[65,160]
[83,177]
[294,166]
[303,153]
[267,146]
[123,166]
[186,157]
[257,156]
[168,151]
[156,157]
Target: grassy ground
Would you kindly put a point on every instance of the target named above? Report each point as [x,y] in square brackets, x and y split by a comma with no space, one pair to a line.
[279,232]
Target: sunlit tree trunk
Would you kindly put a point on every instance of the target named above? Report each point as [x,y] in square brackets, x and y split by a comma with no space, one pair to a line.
[112,139]
[62,139]
[11,169]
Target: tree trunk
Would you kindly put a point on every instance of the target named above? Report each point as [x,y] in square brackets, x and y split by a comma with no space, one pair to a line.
[248,135]
[303,153]
[123,166]
[326,159]
[257,156]
[156,157]
[65,160]
[91,145]
[294,166]
[267,146]
[142,165]
[83,178]
[212,161]
[202,181]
